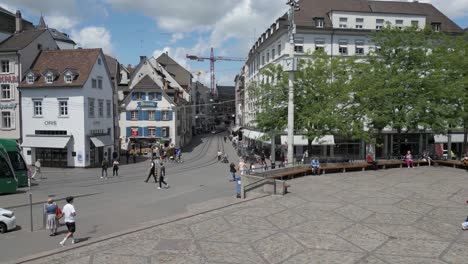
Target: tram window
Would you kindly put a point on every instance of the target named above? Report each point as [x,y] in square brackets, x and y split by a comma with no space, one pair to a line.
[17,161]
[5,171]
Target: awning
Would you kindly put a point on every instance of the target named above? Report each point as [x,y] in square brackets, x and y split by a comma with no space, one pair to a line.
[302,140]
[101,141]
[456,138]
[58,142]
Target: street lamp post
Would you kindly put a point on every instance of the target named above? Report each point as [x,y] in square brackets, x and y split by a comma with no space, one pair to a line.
[290,65]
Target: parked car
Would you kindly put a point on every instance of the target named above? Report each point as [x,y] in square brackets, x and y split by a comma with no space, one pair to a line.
[7,220]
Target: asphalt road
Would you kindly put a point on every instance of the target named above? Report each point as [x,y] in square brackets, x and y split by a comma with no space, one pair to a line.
[108,206]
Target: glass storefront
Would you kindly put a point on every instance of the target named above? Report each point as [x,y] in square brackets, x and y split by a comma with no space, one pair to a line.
[52,157]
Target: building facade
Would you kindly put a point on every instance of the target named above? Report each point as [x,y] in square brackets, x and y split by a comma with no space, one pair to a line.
[340,28]
[67,109]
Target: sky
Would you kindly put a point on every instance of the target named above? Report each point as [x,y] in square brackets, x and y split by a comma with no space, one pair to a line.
[127,29]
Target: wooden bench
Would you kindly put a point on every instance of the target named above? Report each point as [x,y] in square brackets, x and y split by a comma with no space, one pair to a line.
[451,163]
[289,173]
[399,163]
[343,166]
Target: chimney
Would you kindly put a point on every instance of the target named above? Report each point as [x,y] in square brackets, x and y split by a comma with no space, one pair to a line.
[19,22]
[142,58]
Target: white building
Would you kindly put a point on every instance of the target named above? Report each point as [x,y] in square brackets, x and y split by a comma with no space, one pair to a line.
[340,28]
[153,111]
[17,53]
[67,111]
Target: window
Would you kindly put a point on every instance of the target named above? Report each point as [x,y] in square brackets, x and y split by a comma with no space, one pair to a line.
[299,44]
[91,107]
[99,61]
[165,116]
[37,108]
[165,132]
[343,47]
[99,82]
[134,115]
[279,49]
[108,108]
[138,96]
[343,22]
[151,115]
[151,131]
[49,78]
[30,79]
[100,108]
[68,78]
[399,24]
[414,23]
[268,57]
[6,92]
[263,60]
[379,24]
[63,108]
[319,44]
[319,22]
[436,27]
[6,120]
[359,47]
[273,54]
[93,83]
[359,23]
[5,66]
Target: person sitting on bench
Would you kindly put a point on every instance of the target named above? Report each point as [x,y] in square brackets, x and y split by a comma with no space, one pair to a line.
[315,165]
[371,162]
[409,160]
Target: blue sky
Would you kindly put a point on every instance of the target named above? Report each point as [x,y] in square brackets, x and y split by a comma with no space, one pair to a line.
[127,29]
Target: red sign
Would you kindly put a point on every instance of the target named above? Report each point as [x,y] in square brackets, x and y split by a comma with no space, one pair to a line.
[8,78]
[134,132]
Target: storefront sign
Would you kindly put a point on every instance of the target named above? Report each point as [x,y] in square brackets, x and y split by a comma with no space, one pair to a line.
[11,106]
[8,79]
[80,157]
[50,123]
[135,133]
[147,104]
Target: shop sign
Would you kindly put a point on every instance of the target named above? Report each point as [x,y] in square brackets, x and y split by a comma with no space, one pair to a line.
[6,106]
[8,79]
[147,104]
[135,133]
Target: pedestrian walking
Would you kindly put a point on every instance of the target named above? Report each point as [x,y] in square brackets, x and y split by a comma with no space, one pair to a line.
[104,166]
[37,170]
[232,171]
[152,172]
[242,167]
[162,174]
[51,210]
[219,155]
[70,217]
[115,168]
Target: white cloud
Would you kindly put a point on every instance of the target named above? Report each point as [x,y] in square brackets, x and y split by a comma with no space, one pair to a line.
[176,37]
[61,22]
[452,9]
[94,37]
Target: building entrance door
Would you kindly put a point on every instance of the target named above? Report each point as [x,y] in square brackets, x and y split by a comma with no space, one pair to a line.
[52,157]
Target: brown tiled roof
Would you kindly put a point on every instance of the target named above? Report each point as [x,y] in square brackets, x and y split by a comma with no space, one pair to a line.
[181,75]
[81,60]
[146,83]
[113,66]
[20,40]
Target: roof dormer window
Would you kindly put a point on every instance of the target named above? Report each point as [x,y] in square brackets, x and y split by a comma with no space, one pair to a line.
[319,22]
[30,78]
[68,78]
[436,27]
[49,78]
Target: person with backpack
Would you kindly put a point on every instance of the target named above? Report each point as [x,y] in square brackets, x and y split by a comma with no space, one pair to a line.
[232,171]
[162,174]
[152,172]
[115,168]
[104,166]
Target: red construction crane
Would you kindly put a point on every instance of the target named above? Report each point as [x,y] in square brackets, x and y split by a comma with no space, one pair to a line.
[213,59]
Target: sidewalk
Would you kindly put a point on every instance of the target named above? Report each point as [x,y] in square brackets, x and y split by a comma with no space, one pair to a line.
[387,216]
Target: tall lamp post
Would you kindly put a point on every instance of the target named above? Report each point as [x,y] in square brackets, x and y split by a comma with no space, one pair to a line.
[290,65]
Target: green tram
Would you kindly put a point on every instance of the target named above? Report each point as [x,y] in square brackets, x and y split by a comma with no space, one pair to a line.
[8,181]
[17,162]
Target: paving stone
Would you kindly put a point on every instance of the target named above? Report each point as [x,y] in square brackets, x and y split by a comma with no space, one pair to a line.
[210,227]
[325,257]
[241,235]
[377,200]
[319,215]
[84,260]
[371,260]
[259,211]
[145,248]
[229,252]
[176,245]
[324,227]
[416,207]
[290,201]
[403,231]
[324,242]
[286,219]
[363,237]
[277,248]
[164,257]
[409,260]
[119,259]
[385,209]
[457,253]
[353,212]
[453,216]
[444,231]
[249,221]
[413,248]
[392,219]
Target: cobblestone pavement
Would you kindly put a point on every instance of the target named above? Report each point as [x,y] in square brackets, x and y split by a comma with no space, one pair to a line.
[390,216]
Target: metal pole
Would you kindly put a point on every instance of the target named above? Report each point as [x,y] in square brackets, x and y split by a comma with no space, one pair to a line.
[30,202]
[292,29]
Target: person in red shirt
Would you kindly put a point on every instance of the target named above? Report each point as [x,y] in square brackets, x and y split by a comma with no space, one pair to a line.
[371,162]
